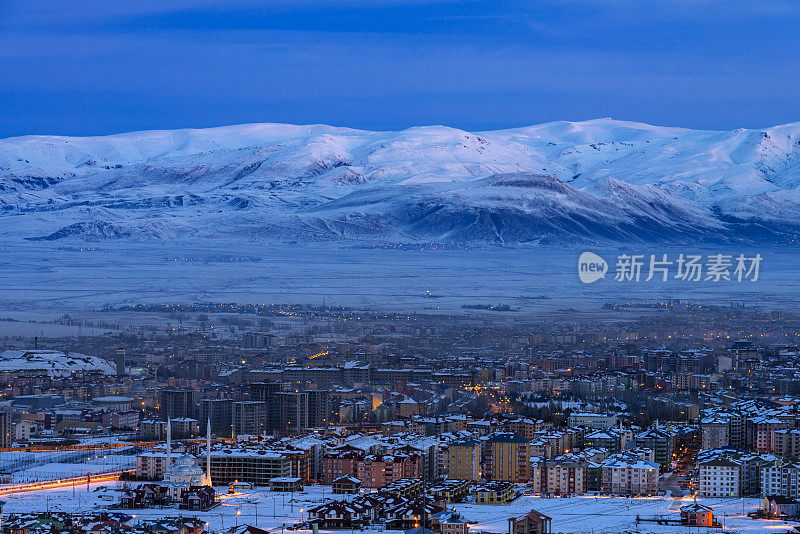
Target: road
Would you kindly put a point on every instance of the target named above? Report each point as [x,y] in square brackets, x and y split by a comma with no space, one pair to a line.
[63,483]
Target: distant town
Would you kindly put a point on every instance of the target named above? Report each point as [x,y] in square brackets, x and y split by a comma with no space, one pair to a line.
[247,419]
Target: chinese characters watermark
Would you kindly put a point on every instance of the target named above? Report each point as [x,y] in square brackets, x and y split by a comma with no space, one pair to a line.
[661,267]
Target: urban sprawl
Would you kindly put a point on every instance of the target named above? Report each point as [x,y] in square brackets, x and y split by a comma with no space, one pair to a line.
[248,419]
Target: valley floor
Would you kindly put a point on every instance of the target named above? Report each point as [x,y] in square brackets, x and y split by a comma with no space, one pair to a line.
[55,278]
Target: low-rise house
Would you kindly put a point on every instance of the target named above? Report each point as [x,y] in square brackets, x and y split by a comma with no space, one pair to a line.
[198,498]
[346,485]
[244,529]
[145,496]
[449,491]
[174,525]
[697,515]
[495,492]
[449,522]
[777,507]
[286,484]
[407,488]
[339,514]
[531,523]
[414,513]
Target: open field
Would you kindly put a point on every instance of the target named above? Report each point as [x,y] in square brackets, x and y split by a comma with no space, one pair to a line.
[271,510]
[535,281]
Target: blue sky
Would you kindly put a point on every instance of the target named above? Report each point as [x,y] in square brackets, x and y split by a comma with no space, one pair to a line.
[88,67]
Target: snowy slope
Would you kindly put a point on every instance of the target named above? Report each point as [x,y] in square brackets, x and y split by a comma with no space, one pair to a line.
[600,180]
[53,362]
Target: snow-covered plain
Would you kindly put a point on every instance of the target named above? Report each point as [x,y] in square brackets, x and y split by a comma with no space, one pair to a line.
[596,181]
[44,277]
[42,466]
[270,510]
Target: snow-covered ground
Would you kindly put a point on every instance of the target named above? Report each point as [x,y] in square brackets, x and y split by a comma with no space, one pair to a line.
[42,466]
[46,278]
[265,509]
[590,514]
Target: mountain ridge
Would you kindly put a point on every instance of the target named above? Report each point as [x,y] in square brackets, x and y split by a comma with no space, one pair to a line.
[593,181]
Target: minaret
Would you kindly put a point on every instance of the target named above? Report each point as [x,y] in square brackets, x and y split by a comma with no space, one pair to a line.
[169,447]
[208,453]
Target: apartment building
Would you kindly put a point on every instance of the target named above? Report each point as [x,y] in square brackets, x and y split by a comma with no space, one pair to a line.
[715,432]
[220,413]
[377,471]
[593,420]
[249,417]
[720,477]
[293,411]
[786,442]
[257,466]
[336,464]
[464,460]
[560,477]
[176,403]
[782,479]
[759,432]
[629,476]
[508,458]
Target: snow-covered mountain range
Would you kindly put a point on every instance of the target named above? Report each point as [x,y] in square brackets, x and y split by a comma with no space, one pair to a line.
[562,182]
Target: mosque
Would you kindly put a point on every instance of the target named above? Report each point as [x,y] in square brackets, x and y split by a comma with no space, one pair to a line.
[183,472]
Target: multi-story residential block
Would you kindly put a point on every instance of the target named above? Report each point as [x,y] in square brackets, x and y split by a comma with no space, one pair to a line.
[122,419]
[408,407]
[560,477]
[759,432]
[23,430]
[257,465]
[377,471]
[320,410]
[720,477]
[508,458]
[603,439]
[265,392]
[629,476]
[336,464]
[715,432]
[661,440]
[751,472]
[464,460]
[293,410]
[781,479]
[176,403]
[249,417]
[593,420]
[220,413]
[786,442]
[184,427]
[152,430]
[527,428]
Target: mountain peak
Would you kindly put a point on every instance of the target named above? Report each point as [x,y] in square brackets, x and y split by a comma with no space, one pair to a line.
[600,178]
